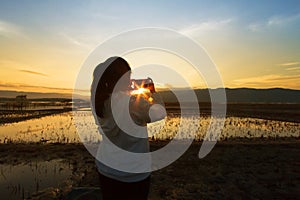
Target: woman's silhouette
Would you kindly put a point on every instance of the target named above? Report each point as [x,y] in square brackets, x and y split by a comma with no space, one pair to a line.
[122,120]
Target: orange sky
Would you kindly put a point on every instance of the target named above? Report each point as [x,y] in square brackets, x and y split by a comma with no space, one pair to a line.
[42,50]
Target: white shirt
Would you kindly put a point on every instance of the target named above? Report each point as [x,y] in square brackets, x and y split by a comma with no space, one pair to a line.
[124,151]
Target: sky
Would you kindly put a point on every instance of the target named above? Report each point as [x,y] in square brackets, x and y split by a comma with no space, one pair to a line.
[253,44]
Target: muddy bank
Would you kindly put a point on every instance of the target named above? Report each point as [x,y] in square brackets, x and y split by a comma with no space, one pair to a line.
[8,116]
[254,169]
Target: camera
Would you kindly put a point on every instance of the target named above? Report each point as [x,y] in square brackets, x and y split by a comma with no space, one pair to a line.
[145,84]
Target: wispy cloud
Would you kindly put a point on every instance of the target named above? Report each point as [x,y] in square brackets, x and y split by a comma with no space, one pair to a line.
[255,27]
[293,68]
[8,29]
[272,80]
[289,64]
[279,20]
[32,72]
[83,42]
[33,88]
[71,39]
[273,21]
[206,26]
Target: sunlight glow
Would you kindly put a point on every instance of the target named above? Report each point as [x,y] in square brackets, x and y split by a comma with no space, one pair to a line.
[140,91]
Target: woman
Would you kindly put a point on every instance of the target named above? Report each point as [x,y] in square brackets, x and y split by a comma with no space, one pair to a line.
[122,160]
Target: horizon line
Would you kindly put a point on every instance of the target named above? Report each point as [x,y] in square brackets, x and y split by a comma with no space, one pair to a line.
[159,90]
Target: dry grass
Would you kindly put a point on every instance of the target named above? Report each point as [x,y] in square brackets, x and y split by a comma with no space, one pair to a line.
[235,169]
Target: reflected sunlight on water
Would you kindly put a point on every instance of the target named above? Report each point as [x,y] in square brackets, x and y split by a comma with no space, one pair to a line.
[60,128]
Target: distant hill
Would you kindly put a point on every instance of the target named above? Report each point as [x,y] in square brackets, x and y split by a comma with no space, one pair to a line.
[238,95]
[242,95]
[274,95]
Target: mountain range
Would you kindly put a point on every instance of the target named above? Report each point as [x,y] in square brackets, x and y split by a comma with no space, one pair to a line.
[237,95]
[241,95]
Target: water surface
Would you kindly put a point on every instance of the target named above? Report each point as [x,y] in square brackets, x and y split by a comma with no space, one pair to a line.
[22,180]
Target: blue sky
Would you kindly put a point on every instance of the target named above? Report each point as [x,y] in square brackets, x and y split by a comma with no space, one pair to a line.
[253,43]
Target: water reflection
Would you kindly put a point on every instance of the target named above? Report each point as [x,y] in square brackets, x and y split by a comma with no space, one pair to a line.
[54,128]
[60,128]
[21,181]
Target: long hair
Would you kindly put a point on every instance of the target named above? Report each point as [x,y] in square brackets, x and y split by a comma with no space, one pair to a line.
[114,68]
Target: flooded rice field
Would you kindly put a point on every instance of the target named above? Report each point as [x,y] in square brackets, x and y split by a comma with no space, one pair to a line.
[20,181]
[42,158]
[60,128]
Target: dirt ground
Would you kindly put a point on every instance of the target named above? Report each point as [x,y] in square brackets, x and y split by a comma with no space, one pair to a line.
[235,169]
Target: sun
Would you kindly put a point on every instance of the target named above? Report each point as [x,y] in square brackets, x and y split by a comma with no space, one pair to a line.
[140,91]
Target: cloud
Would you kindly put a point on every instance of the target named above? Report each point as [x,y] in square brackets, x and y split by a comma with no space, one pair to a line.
[33,88]
[255,27]
[272,80]
[279,20]
[284,78]
[205,26]
[293,68]
[71,39]
[289,64]
[266,78]
[8,29]
[273,21]
[84,41]
[32,72]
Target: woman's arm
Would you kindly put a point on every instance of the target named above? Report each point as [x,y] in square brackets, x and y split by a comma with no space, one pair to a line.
[157,110]
[143,111]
